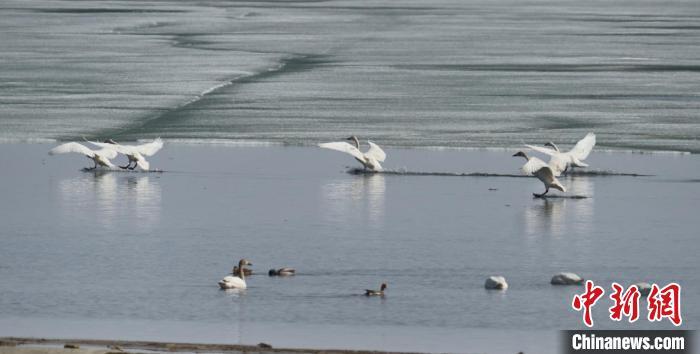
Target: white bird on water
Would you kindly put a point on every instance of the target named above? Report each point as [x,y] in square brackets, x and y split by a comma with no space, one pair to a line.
[135,153]
[370,159]
[561,161]
[236,282]
[99,157]
[543,172]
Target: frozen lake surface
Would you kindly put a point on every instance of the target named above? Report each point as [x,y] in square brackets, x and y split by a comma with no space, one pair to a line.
[414,73]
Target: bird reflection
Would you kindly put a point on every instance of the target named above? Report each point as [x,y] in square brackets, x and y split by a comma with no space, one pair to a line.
[110,200]
[356,199]
[561,216]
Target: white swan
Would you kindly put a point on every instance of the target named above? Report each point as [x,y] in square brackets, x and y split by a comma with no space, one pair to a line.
[543,172]
[135,153]
[235,282]
[370,159]
[99,157]
[561,161]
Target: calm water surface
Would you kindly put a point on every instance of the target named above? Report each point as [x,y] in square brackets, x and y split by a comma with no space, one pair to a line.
[86,254]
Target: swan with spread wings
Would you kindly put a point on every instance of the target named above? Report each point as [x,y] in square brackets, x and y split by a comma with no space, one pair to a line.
[543,172]
[99,157]
[560,162]
[370,159]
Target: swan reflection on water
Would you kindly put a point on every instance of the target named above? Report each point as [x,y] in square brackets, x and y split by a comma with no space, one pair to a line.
[111,199]
[561,216]
[358,198]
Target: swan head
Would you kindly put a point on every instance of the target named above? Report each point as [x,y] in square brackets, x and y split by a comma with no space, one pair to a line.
[520,153]
[383,287]
[244,262]
[355,140]
[110,141]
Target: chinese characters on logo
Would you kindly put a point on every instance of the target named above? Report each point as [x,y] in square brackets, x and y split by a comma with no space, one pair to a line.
[661,303]
[586,301]
[626,304]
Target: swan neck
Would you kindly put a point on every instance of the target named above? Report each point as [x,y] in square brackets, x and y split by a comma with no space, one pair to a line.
[357,142]
[554,146]
[241,271]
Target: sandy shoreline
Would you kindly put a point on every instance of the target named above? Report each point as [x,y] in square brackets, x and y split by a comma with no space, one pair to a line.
[17,345]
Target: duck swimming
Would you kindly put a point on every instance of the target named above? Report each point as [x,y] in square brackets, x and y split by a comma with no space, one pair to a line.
[380,292]
[282,272]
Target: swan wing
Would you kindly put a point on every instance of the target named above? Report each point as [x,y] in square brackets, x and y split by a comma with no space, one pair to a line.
[230,281]
[230,278]
[122,149]
[141,161]
[107,153]
[533,165]
[546,175]
[558,163]
[72,147]
[149,149]
[375,152]
[578,163]
[544,150]
[583,148]
[372,164]
[344,147]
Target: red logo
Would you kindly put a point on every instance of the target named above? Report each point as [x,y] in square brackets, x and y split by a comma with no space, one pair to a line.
[662,303]
[586,300]
[665,303]
[626,304]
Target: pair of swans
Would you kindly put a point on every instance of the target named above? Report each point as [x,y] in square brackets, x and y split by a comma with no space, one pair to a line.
[559,162]
[109,149]
[547,173]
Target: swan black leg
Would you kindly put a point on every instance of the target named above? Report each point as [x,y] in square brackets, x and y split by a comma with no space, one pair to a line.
[133,167]
[125,167]
[541,195]
[93,167]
